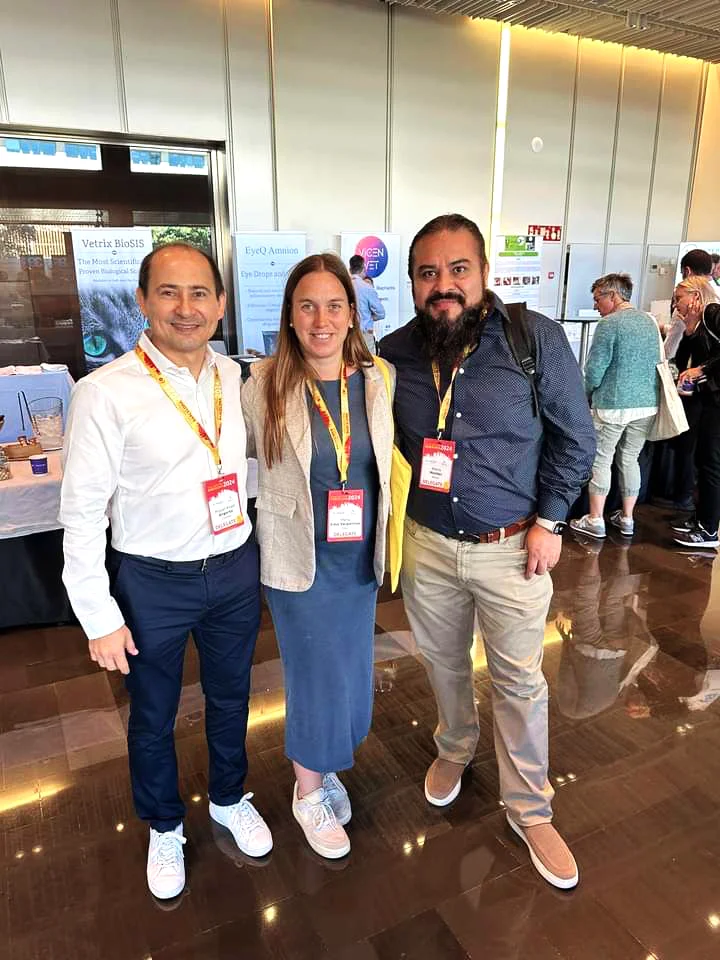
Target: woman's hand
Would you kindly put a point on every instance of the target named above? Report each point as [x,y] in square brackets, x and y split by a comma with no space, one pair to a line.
[692,373]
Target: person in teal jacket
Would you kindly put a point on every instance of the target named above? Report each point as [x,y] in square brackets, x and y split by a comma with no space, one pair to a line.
[622,385]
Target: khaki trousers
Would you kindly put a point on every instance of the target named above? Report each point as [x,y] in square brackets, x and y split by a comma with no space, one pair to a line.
[446,584]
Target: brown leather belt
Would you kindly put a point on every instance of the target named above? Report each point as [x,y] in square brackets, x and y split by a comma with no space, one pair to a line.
[495,536]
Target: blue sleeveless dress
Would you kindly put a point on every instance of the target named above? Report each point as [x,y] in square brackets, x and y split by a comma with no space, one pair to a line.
[326,633]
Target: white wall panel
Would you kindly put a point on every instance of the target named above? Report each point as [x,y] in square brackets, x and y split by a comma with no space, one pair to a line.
[59,64]
[673,165]
[174,57]
[704,222]
[540,99]
[635,145]
[444,88]
[330,116]
[250,110]
[595,113]
[444,100]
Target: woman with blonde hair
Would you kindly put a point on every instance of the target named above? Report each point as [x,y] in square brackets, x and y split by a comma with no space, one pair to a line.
[698,360]
[320,416]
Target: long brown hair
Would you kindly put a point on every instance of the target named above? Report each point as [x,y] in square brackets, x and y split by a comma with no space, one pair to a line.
[288,367]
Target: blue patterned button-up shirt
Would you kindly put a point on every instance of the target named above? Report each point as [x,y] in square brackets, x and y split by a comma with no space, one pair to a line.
[509,464]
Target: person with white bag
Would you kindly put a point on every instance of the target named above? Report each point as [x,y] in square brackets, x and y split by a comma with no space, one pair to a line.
[621,381]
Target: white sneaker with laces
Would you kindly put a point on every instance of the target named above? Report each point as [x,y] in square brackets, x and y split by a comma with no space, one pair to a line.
[319,824]
[338,797]
[165,863]
[249,830]
[591,526]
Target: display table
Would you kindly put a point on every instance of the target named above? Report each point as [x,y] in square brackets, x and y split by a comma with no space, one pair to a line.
[34,386]
[31,559]
[29,503]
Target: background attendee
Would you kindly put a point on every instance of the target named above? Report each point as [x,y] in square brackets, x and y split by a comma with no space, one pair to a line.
[622,385]
[684,475]
[321,418]
[369,305]
[695,263]
[493,478]
[698,360]
[715,268]
[146,434]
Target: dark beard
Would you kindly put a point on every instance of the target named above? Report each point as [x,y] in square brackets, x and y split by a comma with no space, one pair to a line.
[445,341]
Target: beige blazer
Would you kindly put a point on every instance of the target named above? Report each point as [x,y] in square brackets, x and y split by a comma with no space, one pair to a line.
[285,522]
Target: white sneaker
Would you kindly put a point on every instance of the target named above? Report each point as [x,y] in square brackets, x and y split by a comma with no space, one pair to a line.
[319,824]
[165,864]
[626,525]
[338,797]
[591,526]
[249,830]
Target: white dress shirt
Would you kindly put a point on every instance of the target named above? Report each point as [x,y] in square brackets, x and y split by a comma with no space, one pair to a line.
[128,448]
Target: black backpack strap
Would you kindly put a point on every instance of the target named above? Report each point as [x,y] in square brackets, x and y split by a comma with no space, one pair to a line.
[519,329]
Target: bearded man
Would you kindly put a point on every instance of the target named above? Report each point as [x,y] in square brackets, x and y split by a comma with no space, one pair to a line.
[495,471]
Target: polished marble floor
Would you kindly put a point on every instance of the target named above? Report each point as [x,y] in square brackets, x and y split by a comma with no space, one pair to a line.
[633,661]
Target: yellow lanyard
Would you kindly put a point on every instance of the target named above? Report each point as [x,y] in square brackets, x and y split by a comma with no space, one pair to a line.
[445,401]
[187,413]
[342,445]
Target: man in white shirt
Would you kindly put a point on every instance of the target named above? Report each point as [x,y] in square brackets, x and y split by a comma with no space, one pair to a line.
[158,437]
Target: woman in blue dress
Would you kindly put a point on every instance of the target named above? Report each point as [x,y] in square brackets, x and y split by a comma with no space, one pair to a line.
[319,417]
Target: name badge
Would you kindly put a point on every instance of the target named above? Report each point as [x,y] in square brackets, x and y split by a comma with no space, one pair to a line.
[223,500]
[436,466]
[345,515]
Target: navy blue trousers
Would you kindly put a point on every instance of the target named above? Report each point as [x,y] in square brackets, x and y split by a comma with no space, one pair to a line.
[162,603]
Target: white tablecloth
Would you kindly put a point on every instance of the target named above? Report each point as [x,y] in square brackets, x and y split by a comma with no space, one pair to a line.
[29,503]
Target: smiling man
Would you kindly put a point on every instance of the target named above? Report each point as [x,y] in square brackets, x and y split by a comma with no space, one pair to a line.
[156,439]
[497,461]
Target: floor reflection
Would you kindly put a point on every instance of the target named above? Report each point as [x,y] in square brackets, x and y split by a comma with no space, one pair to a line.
[632,656]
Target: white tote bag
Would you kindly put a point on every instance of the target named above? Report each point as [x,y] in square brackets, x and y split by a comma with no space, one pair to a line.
[670,420]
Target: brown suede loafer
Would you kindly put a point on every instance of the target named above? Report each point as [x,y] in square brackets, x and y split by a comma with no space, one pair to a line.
[549,853]
[442,782]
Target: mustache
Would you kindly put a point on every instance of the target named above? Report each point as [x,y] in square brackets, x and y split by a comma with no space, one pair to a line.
[437,297]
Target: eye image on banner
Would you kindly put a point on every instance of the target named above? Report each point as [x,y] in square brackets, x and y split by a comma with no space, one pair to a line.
[262,262]
[381,253]
[107,261]
[516,271]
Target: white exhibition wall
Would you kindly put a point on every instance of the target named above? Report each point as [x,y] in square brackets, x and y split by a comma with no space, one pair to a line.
[359,116]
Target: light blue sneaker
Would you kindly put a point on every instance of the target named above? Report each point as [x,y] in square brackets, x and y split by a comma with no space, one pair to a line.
[338,797]
[590,526]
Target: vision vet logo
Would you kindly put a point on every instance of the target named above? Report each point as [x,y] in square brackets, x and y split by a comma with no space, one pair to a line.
[375,254]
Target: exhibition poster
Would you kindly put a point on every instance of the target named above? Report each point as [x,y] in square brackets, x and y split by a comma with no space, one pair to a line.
[262,262]
[381,252]
[516,270]
[107,261]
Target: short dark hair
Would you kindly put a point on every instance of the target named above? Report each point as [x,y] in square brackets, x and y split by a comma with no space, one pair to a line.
[698,262]
[715,257]
[452,222]
[356,263]
[144,274]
